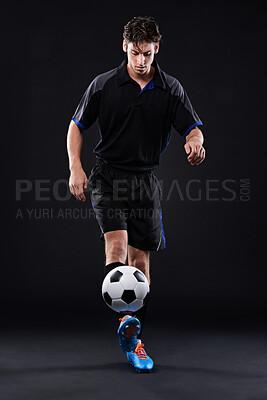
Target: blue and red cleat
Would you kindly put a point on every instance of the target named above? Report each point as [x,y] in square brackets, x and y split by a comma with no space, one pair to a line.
[128,330]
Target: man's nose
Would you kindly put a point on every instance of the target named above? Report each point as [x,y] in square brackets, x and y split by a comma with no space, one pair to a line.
[141,59]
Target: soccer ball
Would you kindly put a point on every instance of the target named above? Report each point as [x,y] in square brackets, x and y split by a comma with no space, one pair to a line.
[125,288]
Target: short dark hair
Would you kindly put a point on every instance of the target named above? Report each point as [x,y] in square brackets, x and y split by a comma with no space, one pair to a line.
[142,29]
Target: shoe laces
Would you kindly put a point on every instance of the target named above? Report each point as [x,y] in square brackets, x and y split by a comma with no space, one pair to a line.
[122,319]
[140,351]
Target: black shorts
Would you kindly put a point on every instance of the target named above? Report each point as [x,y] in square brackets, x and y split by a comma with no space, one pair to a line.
[129,201]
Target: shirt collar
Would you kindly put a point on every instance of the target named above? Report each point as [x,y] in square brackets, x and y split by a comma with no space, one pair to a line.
[124,77]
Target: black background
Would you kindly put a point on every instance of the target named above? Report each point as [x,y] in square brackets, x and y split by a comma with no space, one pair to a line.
[214,264]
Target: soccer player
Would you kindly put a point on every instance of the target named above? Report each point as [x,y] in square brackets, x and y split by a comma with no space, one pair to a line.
[136,104]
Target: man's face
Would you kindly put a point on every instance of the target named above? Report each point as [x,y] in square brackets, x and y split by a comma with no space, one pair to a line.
[140,58]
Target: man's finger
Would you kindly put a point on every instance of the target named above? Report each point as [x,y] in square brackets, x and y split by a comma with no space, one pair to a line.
[194,149]
[198,160]
[81,195]
[197,154]
[72,190]
[201,156]
[76,190]
[187,148]
[79,190]
[192,156]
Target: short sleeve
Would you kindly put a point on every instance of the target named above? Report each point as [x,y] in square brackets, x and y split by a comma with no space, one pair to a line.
[88,109]
[184,117]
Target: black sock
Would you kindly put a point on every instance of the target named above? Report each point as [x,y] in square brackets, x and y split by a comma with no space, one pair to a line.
[140,314]
[111,266]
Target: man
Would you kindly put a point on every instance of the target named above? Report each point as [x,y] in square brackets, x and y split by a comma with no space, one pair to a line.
[136,104]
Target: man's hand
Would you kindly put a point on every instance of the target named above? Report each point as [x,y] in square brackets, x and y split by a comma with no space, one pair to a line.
[78,182]
[194,148]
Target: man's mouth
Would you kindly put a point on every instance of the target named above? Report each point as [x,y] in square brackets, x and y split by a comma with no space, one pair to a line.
[140,68]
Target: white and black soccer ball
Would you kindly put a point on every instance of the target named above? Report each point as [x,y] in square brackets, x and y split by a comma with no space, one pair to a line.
[125,288]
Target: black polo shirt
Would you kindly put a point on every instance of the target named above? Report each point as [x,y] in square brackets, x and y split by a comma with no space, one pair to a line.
[135,126]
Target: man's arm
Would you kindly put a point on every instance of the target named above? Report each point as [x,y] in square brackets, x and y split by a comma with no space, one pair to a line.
[194,146]
[78,180]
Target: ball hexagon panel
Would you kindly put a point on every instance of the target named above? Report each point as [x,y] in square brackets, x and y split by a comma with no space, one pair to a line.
[141,290]
[128,281]
[115,290]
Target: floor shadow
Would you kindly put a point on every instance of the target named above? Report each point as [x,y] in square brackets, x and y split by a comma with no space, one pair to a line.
[126,367]
[209,371]
[120,366]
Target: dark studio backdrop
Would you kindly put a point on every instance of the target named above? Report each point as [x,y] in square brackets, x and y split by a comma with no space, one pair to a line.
[214,263]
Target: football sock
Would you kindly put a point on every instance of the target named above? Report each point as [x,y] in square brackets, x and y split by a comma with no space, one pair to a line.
[111,266]
[140,314]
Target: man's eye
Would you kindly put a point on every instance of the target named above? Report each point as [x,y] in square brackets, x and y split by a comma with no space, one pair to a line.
[145,54]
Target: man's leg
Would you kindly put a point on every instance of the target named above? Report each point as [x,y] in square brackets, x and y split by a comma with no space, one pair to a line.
[116,246]
[129,329]
[116,254]
[140,259]
[138,358]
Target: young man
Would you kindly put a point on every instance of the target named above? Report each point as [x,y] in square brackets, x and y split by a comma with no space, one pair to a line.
[136,104]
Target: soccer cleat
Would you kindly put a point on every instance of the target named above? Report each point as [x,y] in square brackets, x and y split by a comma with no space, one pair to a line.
[140,360]
[128,330]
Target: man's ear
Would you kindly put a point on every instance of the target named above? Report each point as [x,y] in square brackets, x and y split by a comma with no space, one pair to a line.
[124,46]
[156,47]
